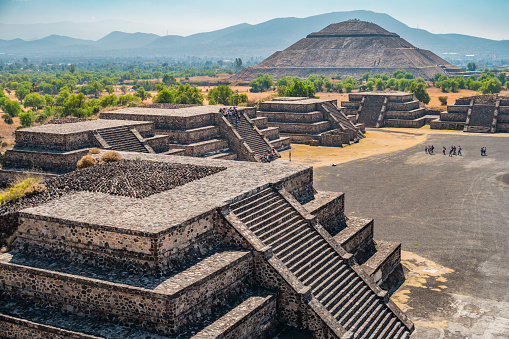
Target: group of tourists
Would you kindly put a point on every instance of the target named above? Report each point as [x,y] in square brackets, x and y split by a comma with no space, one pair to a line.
[270,155]
[230,112]
[453,150]
[429,149]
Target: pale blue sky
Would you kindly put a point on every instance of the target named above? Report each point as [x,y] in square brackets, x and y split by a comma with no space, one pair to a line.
[484,18]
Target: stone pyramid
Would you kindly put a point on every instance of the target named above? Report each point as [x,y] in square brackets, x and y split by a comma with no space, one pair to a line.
[349,48]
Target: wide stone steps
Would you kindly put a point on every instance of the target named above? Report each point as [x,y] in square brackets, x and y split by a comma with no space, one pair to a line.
[305,252]
[371,110]
[122,139]
[153,303]
[247,131]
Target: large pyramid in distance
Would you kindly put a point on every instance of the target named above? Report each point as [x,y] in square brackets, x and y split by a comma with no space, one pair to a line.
[349,48]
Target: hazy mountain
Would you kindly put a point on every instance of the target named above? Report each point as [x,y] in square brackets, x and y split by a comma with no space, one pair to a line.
[245,40]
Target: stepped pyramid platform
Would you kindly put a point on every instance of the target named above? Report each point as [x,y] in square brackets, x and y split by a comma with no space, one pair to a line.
[383,109]
[239,253]
[350,48]
[200,131]
[482,113]
[313,121]
[58,147]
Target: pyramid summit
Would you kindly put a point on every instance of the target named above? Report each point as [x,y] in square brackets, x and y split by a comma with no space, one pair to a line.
[349,48]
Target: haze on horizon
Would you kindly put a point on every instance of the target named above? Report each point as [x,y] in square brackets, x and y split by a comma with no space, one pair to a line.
[487,19]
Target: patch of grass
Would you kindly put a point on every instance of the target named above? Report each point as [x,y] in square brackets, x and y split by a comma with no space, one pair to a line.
[29,186]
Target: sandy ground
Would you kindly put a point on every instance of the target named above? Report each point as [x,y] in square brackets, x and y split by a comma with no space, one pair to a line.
[377,141]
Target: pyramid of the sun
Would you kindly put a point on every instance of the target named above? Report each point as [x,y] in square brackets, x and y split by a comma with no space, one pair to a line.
[350,48]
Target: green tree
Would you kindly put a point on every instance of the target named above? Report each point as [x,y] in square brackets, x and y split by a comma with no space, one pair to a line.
[49,100]
[164,96]
[123,89]
[262,83]
[339,87]
[365,76]
[379,84]
[34,100]
[238,99]
[329,86]
[370,85]
[491,86]
[75,104]
[502,77]
[220,94]
[96,88]
[11,107]
[21,92]
[110,89]
[237,64]
[72,68]
[169,80]
[349,87]
[109,101]
[420,92]
[27,118]
[471,66]
[475,85]
[142,94]
[300,89]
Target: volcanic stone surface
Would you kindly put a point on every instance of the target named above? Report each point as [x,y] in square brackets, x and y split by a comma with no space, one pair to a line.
[130,178]
[349,48]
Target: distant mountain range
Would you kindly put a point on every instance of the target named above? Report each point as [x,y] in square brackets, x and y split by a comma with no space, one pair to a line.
[244,40]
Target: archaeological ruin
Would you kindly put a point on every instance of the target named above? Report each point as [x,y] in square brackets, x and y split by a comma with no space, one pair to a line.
[482,113]
[198,131]
[350,48]
[386,109]
[309,120]
[166,246]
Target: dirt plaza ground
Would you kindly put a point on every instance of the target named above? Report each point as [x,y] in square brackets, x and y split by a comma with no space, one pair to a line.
[450,214]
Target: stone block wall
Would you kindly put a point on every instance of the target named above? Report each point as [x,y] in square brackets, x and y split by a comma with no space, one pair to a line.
[47,161]
[404,123]
[334,138]
[458,108]
[448,116]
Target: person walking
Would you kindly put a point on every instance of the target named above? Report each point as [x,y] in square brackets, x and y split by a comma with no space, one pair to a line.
[443,149]
[426,149]
[290,156]
[459,149]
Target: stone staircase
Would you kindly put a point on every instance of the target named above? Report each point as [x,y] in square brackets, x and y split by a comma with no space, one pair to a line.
[342,119]
[251,136]
[122,139]
[317,264]
[370,110]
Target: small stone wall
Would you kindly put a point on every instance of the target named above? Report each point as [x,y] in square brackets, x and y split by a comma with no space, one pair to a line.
[404,123]
[403,106]
[293,117]
[165,122]
[11,327]
[458,108]
[47,161]
[328,208]
[334,138]
[417,113]
[457,117]
[314,128]
[159,143]
[436,124]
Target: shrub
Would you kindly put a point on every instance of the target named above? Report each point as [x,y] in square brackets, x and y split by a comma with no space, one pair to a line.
[94,151]
[28,186]
[27,118]
[86,161]
[8,119]
[35,189]
[110,156]
[443,101]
